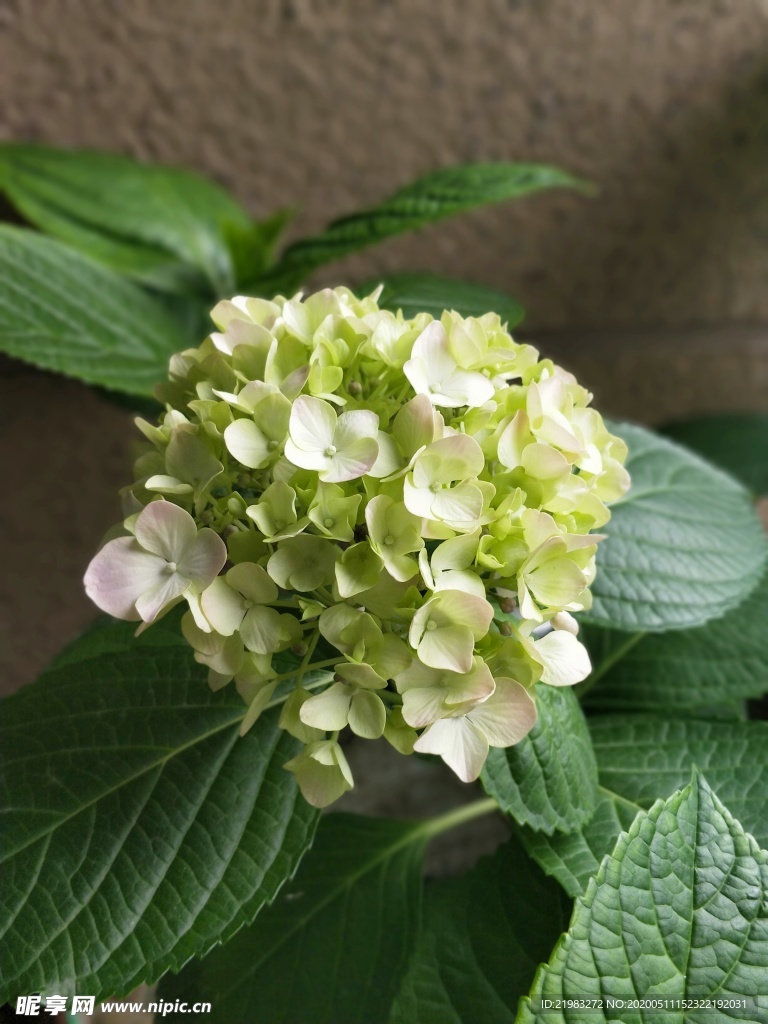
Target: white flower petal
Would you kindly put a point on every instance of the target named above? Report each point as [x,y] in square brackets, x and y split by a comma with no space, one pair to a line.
[246,443]
[154,600]
[565,658]
[459,742]
[203,559]
[165,529]
[312,424]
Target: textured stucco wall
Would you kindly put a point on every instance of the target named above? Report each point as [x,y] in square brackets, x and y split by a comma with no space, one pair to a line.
[327,104]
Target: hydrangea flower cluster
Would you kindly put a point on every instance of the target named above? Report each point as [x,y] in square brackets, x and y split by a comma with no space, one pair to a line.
[376,522]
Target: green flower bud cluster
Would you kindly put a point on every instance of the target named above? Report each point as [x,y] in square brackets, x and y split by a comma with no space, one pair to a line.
[405,504]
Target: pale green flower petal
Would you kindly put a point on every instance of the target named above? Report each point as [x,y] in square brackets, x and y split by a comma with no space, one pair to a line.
[367,715]
[223,606]
[252,582]
[246,443]
[358,569]
[328,710]
[257,705]
[322,773]
[303,563]
[261,629]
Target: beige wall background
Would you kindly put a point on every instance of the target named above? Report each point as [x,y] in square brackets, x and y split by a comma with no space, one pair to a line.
[655,292]
[330,104]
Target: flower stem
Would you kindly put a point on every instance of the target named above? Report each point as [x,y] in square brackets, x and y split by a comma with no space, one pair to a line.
[458,816]
[307,668]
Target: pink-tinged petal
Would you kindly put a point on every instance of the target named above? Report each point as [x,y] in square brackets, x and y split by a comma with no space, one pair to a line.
[565,658]
[312,424]
[165,529]
[202,561]
[507,716]
[351,462]
[461,745]
[119,574]
[167,591]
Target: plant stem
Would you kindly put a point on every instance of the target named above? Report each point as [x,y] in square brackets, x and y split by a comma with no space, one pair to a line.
[458,816]
[308,668]
[616,655]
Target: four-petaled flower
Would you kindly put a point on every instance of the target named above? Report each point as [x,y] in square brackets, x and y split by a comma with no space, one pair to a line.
[463,738]
[168,557]
[433,371]
[337,447]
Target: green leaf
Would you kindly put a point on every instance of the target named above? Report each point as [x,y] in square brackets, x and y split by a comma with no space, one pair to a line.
[737,443]
[335,944]
[428,293]
[726,660]
[549,779]
[574,857]
[642,757]
[61,312]
[164,226]
[444,193]
[683,547]
[482,937]
[679,910]
[139,829]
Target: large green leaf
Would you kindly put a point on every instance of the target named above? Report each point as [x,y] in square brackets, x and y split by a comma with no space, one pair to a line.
[429,293]
[482,937]
[642,757]
[573,858]
[725,660]
[62,312]
[548,780]
[162,225]
[443,193]
[333,947]
[139,829]
[679,911]
[737,443]
[684,546]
